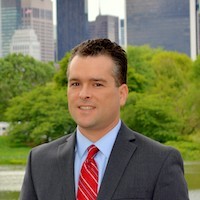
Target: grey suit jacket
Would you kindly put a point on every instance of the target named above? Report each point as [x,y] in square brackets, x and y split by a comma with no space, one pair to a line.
[138,168]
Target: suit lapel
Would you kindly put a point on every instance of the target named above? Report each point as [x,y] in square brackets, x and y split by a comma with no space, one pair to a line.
[122,149]
[66,167]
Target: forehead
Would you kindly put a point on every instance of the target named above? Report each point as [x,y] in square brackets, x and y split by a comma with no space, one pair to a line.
[90,64]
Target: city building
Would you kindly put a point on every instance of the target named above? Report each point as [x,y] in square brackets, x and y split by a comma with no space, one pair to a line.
[10,20]
[161,23]
[72,24]
[27,14]
[38,15]
[25,41]
[105,26]
[121,33]
[55,41]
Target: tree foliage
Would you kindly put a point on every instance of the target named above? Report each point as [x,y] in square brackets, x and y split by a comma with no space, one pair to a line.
[196,69]
[163,103]
[18,74]
[152,115]
[140,72]
[172,72]
[190,101]
[61,76]
[39,116]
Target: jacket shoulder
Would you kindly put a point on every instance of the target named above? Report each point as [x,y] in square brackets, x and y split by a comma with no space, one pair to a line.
[50,147]
[148,145]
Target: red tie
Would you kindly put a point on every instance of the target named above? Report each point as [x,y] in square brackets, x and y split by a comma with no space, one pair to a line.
[88,180]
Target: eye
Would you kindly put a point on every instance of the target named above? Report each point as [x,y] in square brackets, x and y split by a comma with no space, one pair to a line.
[98,85]
[74,84]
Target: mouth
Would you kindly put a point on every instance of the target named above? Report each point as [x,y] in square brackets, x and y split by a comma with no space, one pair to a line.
[86,107]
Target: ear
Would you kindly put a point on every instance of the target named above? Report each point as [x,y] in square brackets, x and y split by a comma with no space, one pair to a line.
[123,92]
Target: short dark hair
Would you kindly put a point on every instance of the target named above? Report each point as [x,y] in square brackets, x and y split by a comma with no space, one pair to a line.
[97,47]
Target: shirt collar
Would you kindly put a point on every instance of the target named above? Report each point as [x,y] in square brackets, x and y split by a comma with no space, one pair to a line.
[104,145]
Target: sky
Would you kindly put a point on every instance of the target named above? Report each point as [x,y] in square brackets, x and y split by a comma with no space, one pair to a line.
[107,7]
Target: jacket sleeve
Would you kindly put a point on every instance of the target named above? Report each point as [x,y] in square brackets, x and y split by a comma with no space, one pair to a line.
[28,190]
[171,183]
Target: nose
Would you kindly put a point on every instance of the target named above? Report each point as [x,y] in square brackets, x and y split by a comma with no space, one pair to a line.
[85,93]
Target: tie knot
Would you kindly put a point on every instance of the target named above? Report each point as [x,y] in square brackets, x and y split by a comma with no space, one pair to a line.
[92,151]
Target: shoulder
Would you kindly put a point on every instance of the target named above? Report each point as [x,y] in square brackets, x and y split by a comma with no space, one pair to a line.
[156,149]
[149,147]
[50,147]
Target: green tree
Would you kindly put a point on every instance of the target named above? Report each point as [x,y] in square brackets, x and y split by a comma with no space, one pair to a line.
[151,115]
[140,72]
[136,82]
[39,116]
[172,72]
[158,108]
[163,102]
[61,76]
[190,101]
[18,74]
[189,109]
[196,69]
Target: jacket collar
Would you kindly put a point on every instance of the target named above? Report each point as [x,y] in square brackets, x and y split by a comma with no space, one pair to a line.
[124,147]
[66,166]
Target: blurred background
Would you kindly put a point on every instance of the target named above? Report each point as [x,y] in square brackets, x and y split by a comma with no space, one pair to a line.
[162,41]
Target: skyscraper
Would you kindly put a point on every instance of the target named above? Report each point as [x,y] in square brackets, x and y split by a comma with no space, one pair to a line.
[105,26]
[159,23]
[10,20]
[27,14]
[72,24]
[25,41]
[38,15]
[121,35]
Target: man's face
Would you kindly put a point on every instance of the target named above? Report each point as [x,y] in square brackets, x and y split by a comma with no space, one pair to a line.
[94,99]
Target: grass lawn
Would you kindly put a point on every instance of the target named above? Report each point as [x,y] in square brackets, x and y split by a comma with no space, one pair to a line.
[12,155]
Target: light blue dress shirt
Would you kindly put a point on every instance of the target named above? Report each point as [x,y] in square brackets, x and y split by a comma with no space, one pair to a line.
[105,145]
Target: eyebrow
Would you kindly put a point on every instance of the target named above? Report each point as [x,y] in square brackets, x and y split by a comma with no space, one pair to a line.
[91,79]
[98,80]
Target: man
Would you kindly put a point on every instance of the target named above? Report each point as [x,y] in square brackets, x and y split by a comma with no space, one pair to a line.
[125,164]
